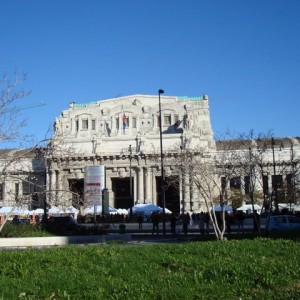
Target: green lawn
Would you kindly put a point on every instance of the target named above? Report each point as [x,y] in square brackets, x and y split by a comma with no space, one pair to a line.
[245,269]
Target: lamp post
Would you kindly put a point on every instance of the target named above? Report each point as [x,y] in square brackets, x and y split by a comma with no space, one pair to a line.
[160,91]
[182,147]
[130,177]
[292,199]
[275,176]
[31,189]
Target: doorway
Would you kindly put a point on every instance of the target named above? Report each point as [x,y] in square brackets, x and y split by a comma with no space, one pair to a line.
[121,191]
[76,186]
[172,198]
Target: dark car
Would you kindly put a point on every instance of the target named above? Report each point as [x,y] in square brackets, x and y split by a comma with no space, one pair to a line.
[61,223]
[17,221]
[62,220]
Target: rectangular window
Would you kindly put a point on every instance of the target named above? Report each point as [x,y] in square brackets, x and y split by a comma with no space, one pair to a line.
[276,181]
[133,122]
[93,124]
[289,180]
[76,125]
[176,120]
[265,184]
[247,185]
[167,120]
[85,124]
[17,190]
[235,183]
[117,123]
[26,188]
[223,183]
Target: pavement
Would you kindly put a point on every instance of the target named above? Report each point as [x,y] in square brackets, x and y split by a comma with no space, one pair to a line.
[145,233]
[129,232]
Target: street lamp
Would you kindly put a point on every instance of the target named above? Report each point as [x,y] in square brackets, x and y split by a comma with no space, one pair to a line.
[292,199]
[182,147]
[162,164]
[130,177]
[275,176]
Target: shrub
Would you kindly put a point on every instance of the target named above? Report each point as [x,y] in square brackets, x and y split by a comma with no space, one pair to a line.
[12,230]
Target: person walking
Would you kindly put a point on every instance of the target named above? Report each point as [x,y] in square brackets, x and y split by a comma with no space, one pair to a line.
[155,222]
[240,217]
[140,221]
[202,222]
[173,221]
[185,223]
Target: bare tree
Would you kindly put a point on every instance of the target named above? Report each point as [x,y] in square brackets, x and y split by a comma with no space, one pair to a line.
[11,93]
[26,169]
[23,171]
[219,175]
[201,166]
[250,160]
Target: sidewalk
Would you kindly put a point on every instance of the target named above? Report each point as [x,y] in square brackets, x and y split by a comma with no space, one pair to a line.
[130,233]
[193,230]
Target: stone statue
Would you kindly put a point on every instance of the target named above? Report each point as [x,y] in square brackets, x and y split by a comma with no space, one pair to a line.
[58,127]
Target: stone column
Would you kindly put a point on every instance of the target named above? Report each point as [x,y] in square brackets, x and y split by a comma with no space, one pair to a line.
[109,187]
[148,187]
[186,191]
[6,198]
[192,195]
[140,185]
[154,189]
[135,185]
[52,186]
[59,187]
[181,195]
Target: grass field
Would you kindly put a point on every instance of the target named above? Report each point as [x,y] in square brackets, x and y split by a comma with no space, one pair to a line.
[245,269]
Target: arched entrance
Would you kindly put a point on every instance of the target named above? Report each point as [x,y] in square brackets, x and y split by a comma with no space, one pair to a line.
[121,191]
[76,186]
[172,198]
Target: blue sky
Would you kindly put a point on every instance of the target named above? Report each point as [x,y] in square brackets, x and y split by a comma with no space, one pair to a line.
[244,54]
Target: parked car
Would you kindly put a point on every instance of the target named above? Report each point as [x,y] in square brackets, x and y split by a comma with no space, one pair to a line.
[17,221]
[283,222]
[61,223]
[62,220]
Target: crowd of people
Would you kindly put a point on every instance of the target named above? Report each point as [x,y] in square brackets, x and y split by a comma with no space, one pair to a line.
[179,224]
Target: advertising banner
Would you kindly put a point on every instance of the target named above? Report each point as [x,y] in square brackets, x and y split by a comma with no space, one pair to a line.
[94,183]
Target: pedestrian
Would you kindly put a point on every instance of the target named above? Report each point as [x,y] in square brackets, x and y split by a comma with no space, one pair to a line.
[240,218]
[173,221]
[207,219]
[185,223]
[140,221]
[202,222]
[155,222]
[228,221]
[256,220]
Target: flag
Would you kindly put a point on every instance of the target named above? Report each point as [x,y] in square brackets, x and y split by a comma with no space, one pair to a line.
[124,120]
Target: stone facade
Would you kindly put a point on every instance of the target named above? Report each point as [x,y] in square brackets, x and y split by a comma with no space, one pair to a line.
[22,178]
[123,134]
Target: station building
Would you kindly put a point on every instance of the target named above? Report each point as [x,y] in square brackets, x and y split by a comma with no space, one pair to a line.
[124,135]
